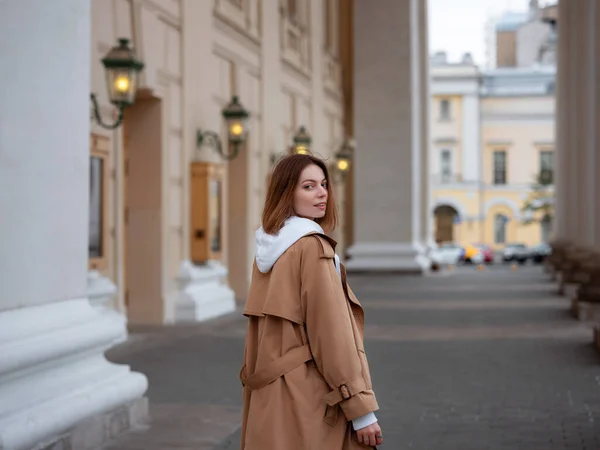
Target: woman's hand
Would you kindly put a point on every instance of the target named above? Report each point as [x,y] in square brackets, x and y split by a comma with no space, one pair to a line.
[370,435]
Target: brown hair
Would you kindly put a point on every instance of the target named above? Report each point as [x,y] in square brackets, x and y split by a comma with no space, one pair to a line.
[279,205]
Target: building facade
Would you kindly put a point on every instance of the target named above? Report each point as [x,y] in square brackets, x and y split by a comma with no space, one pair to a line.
[140,224]
[492,136]
[57,315]
[151,217]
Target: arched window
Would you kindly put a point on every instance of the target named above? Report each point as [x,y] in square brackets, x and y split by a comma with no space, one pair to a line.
[546,225]
[500,221]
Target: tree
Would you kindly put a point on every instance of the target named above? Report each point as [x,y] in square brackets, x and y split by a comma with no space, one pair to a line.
[539,205]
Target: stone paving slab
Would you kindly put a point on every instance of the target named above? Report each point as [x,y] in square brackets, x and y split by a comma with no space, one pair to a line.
[468,360]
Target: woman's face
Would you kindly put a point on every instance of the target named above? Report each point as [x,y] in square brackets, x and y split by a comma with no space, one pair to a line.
[310,194]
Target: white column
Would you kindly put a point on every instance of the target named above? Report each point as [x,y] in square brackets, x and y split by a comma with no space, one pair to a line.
[53,373]
[593,116]
[560,229]
[471,159]
[571,120]
[390,193]
[567,124]
[427,237]
[580,117]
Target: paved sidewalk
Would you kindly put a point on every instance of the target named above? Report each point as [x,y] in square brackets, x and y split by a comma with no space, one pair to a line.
[460,361]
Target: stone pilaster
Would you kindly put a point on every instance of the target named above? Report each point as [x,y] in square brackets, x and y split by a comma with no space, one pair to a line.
[390,192]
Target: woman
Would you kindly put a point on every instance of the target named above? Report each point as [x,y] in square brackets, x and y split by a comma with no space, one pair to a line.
[306,379]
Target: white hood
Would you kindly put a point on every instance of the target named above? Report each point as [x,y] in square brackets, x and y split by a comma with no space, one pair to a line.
[269,247]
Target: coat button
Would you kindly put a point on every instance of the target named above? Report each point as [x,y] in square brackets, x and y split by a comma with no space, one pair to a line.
[344,391]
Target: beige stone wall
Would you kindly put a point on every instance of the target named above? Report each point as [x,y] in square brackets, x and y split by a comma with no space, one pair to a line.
[154,28]
[285,68]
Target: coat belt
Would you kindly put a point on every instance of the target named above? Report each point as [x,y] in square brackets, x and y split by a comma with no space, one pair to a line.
[288,362]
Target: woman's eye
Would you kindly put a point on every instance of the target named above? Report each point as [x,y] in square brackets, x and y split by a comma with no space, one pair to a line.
[308,186]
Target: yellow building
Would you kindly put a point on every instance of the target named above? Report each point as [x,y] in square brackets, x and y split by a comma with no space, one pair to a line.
[492,135]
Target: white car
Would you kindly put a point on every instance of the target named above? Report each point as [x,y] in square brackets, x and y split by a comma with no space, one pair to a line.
[515,252]
[445,254]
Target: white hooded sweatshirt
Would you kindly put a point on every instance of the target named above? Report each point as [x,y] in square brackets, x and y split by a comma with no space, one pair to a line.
[270,247]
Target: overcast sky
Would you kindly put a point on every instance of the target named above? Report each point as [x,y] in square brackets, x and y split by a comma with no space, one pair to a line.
[458,26]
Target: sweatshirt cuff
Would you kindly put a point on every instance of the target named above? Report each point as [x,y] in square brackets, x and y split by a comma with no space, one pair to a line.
[364,421]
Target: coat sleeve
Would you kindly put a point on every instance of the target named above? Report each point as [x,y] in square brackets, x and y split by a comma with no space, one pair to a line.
[331,335]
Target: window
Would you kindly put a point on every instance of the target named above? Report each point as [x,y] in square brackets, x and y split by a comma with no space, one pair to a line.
[292,10]
[446,165]
[97,225]
[546,228]
[500,167]
[444,109]
[215,214]
[547,167]
[500,221]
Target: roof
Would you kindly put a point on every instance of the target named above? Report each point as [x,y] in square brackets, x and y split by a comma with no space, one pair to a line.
[510,21]
[519,81]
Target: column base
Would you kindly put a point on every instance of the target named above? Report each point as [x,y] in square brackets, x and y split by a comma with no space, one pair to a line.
[203,293]
[53,373]
[100,430]
[585,311]
[597,337]
[388,257]
[101,290]
[570,290]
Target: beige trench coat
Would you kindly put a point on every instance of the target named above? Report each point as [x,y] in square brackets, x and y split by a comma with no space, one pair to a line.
[305,373]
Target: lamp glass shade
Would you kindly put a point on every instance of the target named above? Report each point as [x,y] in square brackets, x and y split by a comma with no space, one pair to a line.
[122,73]
[236,118]
[343,158]
[302,141]
[122,85]
[343,164]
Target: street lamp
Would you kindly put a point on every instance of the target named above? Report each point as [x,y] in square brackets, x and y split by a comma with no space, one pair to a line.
[236,118]
[343,157]
[122,77]
[302,141]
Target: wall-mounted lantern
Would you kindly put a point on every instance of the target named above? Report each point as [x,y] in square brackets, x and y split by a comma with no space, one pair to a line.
[302,145]
[122,77]
[302,141]
[236,118]
[343,157]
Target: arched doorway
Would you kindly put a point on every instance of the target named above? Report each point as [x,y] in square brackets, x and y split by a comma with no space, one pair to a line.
[445,219]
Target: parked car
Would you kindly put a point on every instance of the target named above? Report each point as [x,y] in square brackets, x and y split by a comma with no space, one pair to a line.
[515,252]
[447,253]
[538,253]
[487,252]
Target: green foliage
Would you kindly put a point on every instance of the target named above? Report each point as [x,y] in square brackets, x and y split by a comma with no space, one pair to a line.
[539,204]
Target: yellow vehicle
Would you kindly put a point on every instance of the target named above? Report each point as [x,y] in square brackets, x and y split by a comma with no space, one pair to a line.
[472,254]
